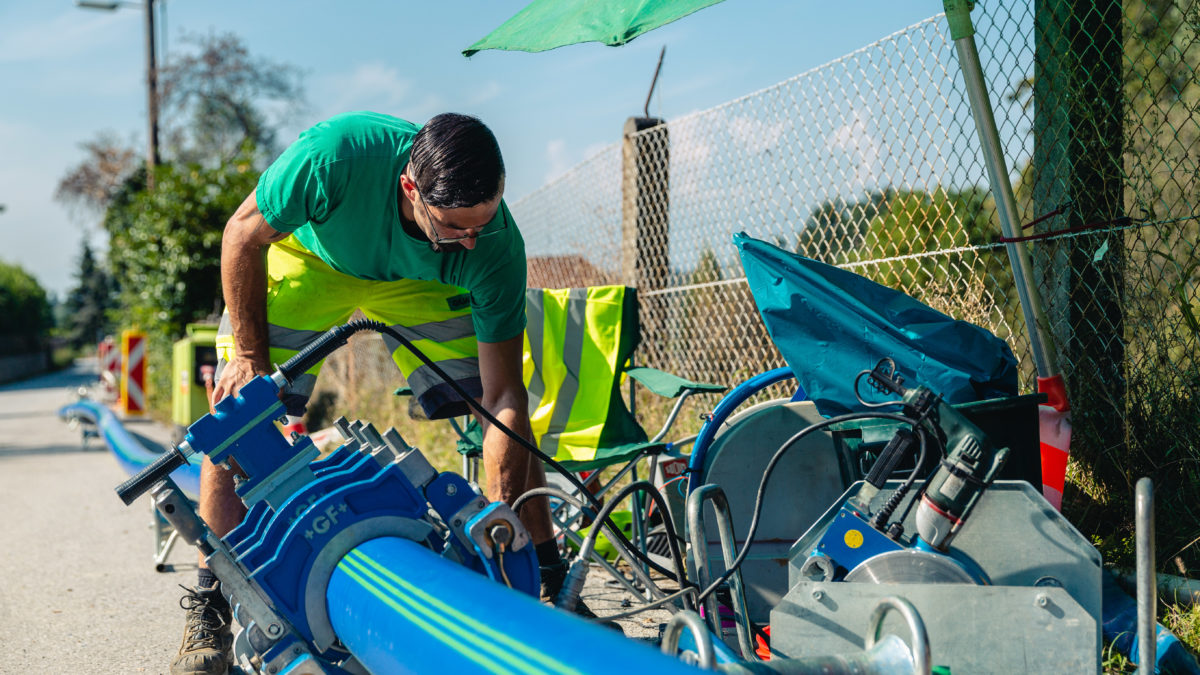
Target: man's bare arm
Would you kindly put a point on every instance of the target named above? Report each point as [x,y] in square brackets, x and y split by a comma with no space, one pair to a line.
[244,283]
[511,469]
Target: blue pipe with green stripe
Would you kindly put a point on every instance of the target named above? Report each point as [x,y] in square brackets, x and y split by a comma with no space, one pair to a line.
[400,608]
[131,453]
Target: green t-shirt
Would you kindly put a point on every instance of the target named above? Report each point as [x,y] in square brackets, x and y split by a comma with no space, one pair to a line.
[337,189]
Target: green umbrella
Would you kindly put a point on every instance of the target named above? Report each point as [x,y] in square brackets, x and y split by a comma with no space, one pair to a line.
[547,24]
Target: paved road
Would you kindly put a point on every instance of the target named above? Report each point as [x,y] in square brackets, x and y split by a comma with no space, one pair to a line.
[78,590]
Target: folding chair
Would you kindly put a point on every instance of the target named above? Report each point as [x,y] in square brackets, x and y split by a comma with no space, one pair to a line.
[578,350]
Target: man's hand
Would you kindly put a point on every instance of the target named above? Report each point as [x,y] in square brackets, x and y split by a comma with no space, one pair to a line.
[236,374]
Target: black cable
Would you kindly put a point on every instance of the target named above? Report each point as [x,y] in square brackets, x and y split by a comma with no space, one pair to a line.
[611,527]
[917,497]
[762,485]
[324,345]
[339,335]
[923,432]
[550,491]
[882,404]
[380,327]
[656,496]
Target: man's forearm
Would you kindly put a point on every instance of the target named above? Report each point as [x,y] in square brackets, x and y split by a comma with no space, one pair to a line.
[244,284]
[511,469]
[244,279]
[505,460]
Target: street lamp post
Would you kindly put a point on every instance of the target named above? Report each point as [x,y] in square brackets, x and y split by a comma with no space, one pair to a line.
[151,76]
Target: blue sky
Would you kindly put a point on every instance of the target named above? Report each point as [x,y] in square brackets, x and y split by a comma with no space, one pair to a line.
[69,74]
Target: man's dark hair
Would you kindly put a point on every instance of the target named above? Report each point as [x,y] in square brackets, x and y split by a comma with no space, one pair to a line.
[456,162]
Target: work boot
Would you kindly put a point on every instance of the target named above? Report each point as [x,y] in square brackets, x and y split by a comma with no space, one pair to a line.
[207,636]
[553,577]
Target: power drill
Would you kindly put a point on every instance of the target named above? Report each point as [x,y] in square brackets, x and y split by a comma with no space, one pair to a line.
[970,464]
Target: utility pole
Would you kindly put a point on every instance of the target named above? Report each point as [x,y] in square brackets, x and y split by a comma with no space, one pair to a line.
[152,158]
[151,96]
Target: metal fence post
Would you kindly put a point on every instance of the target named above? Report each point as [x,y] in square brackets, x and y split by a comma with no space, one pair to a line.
[1078,134]
[645,236]
[644,202]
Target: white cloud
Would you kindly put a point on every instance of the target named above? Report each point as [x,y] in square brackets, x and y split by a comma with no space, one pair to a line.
[754,135]
[556,159]
[855,140]
[379,87]
[490,90]
[692,150]
[64,36]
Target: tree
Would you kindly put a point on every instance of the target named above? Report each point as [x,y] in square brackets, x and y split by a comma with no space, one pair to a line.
[93,183]
[836,228]
[219,99]
[85,310]
[165,245]
[975,286]
[220,111]
[213,103]
[25,317]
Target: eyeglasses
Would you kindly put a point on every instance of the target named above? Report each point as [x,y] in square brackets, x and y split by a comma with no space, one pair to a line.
[479,233]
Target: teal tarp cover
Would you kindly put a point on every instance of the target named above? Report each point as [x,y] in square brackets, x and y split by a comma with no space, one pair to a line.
[830,324]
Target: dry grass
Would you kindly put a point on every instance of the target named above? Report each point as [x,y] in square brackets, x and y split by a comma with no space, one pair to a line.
[358,382]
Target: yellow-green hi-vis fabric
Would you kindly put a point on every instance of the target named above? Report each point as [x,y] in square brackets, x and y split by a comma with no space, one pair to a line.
[306,297]
[578,341]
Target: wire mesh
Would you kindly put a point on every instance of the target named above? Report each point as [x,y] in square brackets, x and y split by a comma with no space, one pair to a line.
[872,163]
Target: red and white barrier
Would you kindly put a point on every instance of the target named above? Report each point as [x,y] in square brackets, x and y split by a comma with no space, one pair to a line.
[1054,426]
[110,367]
[133,373]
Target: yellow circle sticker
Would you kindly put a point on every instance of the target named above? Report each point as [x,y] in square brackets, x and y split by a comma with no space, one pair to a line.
[853,538]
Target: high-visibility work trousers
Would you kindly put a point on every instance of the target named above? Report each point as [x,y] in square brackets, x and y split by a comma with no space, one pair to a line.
[306,297]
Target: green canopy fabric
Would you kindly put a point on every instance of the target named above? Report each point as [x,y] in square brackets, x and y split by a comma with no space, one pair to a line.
[548,24]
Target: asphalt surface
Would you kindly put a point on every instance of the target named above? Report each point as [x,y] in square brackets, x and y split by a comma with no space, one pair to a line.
[78,588]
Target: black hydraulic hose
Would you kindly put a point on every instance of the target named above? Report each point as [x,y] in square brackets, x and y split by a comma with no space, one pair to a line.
[325,345]
[648,488]
[679,575]
[363,324]
[762,485]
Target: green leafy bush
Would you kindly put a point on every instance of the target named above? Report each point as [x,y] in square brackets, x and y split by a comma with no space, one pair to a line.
[25,318]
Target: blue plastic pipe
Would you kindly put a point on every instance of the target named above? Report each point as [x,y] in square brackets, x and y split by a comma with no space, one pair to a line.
[1121,632]
[131,454]
[400,608]
[724,409]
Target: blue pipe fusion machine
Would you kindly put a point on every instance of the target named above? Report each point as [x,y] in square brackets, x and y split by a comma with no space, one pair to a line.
[368,559]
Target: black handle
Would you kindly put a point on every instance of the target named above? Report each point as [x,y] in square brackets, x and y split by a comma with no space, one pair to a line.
[896,448]
[161,468]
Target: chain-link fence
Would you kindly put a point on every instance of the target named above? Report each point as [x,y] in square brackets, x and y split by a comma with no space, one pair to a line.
[872,163]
